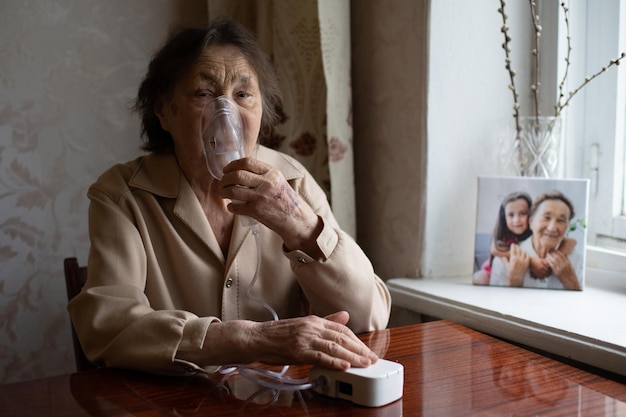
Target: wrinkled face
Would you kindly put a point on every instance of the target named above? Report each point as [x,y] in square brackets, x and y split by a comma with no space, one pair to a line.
[220,71]
[549,224]
[516,215]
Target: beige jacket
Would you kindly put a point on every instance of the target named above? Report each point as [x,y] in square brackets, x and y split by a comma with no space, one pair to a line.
[157,277]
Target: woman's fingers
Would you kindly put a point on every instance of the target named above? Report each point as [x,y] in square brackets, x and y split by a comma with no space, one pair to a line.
[539,267]
[341,317]
[558,262]
[339,355]
[316,341]
[248,174]
[341,349]
[254,182]
[338,341]
[247,164]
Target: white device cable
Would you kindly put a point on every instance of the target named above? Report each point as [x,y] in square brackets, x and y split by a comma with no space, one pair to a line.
[264,377]
[255,233]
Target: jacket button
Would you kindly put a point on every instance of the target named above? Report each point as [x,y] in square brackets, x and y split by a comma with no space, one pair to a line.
[229,282]
[301,260]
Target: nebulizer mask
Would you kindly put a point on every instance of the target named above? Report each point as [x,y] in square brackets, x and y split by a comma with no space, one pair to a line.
[221,130]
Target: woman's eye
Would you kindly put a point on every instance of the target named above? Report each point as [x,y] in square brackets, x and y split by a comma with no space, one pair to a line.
[204,93]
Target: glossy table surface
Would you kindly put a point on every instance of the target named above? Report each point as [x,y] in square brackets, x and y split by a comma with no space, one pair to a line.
[449,370]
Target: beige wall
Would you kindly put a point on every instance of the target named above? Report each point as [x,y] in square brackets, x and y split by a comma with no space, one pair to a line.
[68,70]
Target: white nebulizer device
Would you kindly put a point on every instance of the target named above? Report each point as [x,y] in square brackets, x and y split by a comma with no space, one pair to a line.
[221,130]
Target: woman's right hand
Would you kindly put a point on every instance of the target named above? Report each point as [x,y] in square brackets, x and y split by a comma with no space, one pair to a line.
[563,270]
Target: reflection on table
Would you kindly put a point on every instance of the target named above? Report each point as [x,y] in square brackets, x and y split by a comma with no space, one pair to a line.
[449,370]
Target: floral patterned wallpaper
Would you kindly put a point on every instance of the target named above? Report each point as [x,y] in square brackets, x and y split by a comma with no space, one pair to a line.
[68,71]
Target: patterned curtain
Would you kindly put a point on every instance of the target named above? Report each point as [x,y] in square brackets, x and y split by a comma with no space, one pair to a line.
[309,43]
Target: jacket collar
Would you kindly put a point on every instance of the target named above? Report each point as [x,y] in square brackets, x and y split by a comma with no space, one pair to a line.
[158,174]
[161,175]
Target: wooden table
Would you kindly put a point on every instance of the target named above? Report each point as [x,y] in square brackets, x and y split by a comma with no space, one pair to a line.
[450,370]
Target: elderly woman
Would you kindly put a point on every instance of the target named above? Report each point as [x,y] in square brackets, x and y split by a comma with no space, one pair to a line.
[549,221]
[178,278]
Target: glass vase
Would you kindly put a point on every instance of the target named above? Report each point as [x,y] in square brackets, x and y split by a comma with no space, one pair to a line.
[535,149]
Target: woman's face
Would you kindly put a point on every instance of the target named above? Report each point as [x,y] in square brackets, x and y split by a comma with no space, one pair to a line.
[220,71]
[516,215]
[549,224]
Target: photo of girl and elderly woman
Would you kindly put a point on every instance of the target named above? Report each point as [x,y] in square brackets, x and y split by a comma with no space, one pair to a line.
[531,232]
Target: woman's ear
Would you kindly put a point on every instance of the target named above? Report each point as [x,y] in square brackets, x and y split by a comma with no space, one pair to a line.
[159,110]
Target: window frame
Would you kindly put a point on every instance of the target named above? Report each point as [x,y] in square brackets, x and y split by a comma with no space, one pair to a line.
[594,125]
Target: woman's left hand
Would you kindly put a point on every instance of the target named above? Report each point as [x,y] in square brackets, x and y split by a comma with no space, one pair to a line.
[262,192]
[562,268]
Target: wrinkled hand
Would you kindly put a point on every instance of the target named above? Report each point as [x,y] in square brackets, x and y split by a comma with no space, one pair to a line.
[325,342]
[267,197]
[539,268]
[559,263]
[562,268]
[516,265]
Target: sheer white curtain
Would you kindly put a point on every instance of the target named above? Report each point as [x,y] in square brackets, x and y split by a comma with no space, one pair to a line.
[309,43]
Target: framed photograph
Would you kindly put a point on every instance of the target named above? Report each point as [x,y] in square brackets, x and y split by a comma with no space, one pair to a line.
[531,232]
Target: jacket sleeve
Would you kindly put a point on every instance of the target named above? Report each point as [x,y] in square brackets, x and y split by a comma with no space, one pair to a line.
[344,279]
[112,316]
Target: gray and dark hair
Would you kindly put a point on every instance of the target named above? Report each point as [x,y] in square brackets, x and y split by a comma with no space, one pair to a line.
[180,52]
[552,195]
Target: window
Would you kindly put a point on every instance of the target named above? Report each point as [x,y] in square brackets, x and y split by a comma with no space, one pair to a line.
[595,120]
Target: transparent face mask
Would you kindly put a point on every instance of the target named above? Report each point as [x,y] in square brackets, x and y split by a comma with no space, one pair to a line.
[221,130]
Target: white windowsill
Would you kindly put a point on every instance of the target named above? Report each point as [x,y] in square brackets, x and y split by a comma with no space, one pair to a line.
[587,326]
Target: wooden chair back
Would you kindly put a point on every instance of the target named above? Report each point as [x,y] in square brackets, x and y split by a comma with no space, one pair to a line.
[75,278]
